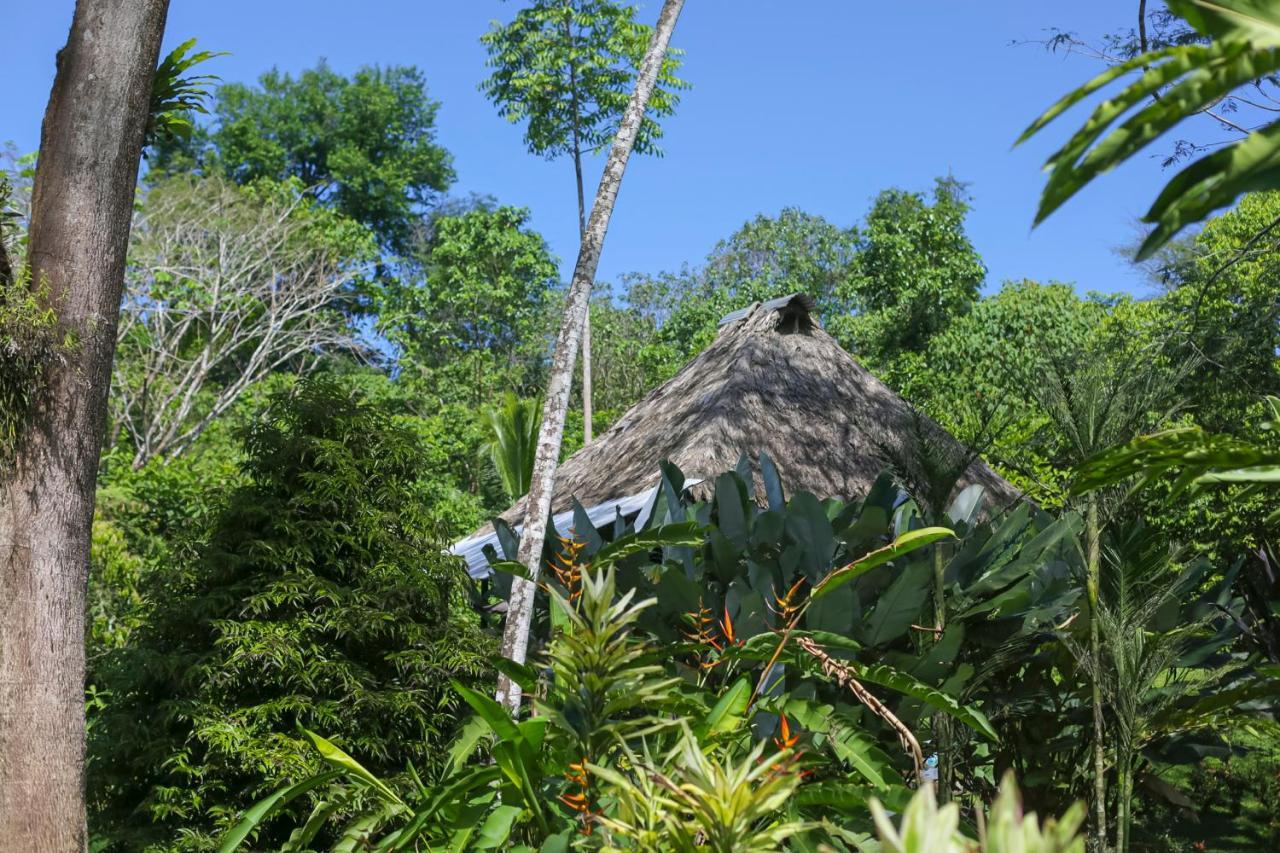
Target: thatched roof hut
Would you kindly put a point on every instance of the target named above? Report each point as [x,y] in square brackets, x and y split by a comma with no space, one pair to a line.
[772,381]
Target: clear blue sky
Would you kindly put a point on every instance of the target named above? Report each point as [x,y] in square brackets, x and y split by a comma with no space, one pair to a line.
[817,104]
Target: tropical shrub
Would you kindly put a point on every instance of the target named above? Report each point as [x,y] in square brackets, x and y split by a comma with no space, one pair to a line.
[787,663]
[320,597]
[623,756]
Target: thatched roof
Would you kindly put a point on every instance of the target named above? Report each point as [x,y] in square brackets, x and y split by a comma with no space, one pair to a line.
[772,381]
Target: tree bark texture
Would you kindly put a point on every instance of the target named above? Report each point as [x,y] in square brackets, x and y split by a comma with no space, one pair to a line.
[515,638]
[90,145]
[1093,560]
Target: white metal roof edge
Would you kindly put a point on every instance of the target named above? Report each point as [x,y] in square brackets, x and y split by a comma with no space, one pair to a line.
[641,504]
[472,549]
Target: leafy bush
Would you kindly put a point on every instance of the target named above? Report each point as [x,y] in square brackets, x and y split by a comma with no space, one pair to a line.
[320,597]
[626,758]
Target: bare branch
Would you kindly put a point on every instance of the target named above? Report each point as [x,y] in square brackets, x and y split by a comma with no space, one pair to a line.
[224,286]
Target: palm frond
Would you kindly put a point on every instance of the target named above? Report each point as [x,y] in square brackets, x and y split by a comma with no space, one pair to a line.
[1175,84]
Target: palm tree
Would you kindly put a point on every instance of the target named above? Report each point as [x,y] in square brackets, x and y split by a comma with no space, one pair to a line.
[515,636]
[515,437]
[1154,666]
[1093,398]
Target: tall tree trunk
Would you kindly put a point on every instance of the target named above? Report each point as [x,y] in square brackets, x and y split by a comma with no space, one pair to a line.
[515,637]
[90,146]
[587,384]
[1093,557]
[941,722]
[582,234]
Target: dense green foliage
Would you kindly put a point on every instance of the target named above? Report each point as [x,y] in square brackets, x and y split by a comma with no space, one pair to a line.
[266,552]
[29,341]
[515,425]
[883,289]
[1234,45]
[316,598]
[748,684]
[917,271]
[364,144]
[468,328]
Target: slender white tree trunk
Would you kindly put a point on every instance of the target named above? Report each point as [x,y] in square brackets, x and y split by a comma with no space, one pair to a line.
[90,146]
[515,637]
[587,389]
[582,233]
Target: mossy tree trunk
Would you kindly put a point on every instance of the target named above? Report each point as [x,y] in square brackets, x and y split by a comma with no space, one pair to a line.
[90,146]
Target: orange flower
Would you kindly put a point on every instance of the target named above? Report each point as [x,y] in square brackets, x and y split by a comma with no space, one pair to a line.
[786,739]
[580,801]
[564,565]
[787,604]
[726,629]
[701,633]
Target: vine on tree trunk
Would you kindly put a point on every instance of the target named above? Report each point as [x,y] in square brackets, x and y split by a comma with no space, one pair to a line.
[30,341]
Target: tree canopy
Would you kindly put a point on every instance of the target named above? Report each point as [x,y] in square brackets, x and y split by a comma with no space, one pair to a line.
[365,144]
[565,69]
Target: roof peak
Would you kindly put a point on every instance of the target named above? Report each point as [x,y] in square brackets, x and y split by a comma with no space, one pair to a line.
[796,310]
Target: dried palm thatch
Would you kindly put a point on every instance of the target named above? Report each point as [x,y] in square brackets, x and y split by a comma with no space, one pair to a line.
[772,381]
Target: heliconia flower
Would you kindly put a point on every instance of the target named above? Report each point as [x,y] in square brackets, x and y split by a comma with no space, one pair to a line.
[787,605]
[579,802]
[702,634]
[726,628]
[564,565]
[786,739]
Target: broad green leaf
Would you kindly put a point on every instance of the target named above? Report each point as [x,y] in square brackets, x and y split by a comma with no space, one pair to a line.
[899,605]
[268,806]
[1203,75]
[558,843]
[730,512]
[897,680]
[458,790]
[496,828]
[1213,182]
[772,483]
[762,646]
[520,673]
[863,754]
[1113,73]
[510,567]
[1256,21]
[335,756]
[490,711]
[464,745]
[904,544]
[643,541]
[300,839]
[727,713]
[356,835]
[1256,474]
